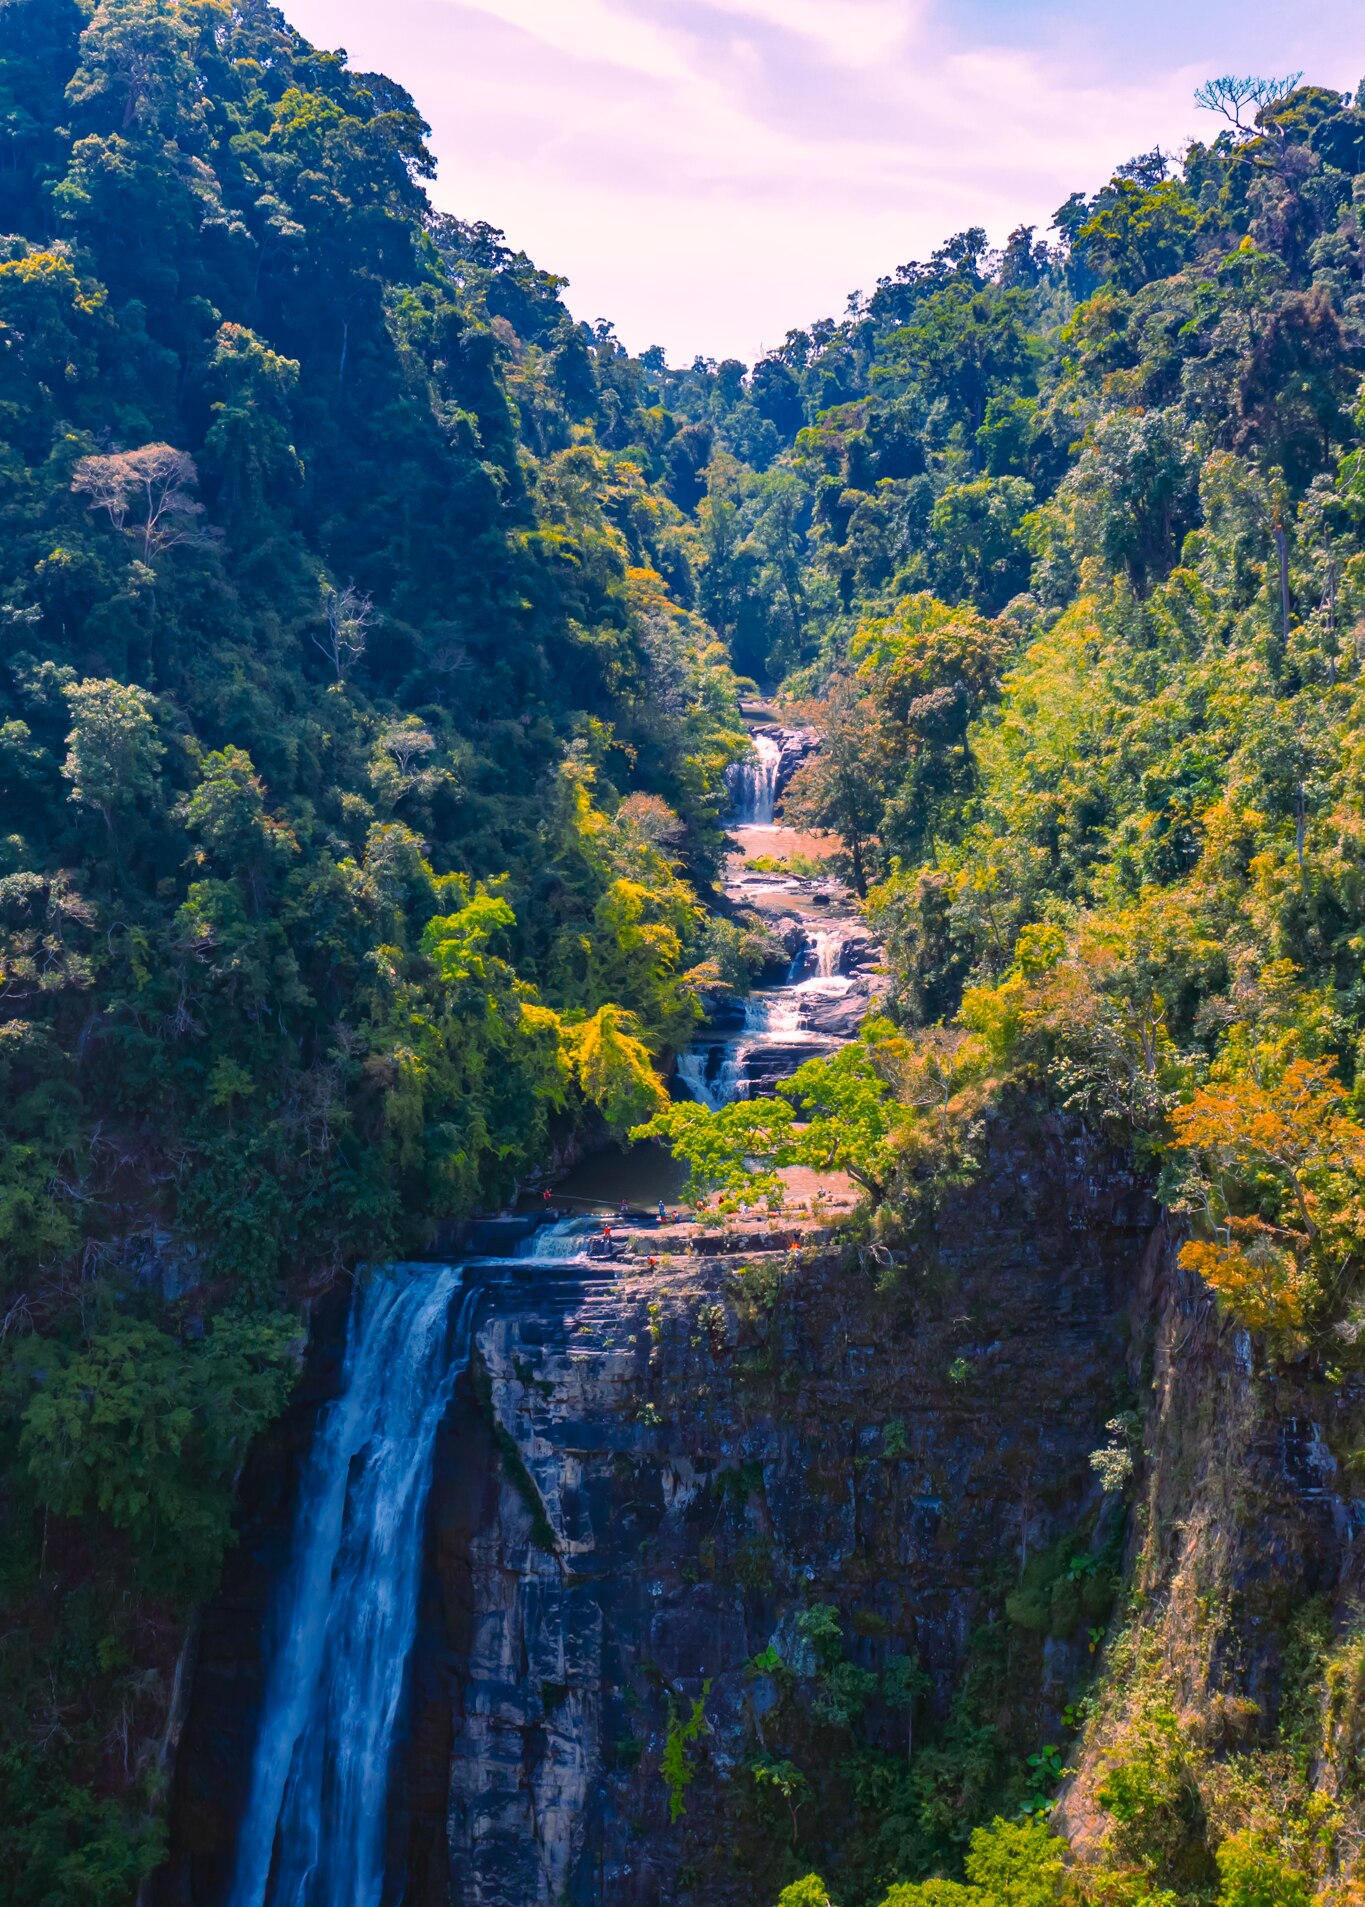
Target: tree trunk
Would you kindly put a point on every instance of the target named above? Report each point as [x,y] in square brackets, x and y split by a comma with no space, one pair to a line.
[1282,550]
[855,851]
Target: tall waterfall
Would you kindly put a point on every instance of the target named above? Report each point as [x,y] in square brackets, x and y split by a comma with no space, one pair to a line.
[314,1828]
[753,784]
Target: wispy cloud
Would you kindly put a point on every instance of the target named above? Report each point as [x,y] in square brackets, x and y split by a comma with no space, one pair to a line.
[709,172]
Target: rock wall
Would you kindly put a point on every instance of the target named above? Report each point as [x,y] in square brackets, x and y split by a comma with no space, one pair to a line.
[650,1472]
[649,1475]
[1249,1507]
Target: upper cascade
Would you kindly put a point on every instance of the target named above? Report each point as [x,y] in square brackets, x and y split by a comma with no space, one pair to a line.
[827,988]
[757,783]
[753,783]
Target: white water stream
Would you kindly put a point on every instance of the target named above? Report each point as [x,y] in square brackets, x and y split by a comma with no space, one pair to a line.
[782,1024]
[753,784]
[313,1831]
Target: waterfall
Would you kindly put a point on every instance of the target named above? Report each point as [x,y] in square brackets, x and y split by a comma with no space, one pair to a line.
[779,1021]
[775,1012]
[753,783]
[314,1827]
[713,1072]
[562,1242]
[693,1067]
[829,949]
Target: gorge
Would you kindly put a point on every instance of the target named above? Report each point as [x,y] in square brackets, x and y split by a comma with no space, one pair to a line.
[682,1128]
[314,1819]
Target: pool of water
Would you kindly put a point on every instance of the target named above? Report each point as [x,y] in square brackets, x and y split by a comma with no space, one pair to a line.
[640,1174]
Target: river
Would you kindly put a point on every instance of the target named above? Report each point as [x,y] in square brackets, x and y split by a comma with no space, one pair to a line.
[750,1045]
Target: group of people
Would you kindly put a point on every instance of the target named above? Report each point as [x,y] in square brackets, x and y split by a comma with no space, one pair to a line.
[622,1210]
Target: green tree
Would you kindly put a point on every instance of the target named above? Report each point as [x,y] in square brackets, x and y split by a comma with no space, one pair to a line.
[807,1892]
[1253,1872]
[979,546]
[148,1431]
[1138,231]
[113,752]
[840,789]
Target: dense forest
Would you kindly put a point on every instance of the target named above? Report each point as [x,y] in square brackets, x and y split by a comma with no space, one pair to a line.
[374,639]
[363,759]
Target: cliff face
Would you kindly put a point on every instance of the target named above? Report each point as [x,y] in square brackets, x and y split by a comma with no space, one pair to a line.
[656,1482]
[1239,1669]
[654,1477]
[650,1476]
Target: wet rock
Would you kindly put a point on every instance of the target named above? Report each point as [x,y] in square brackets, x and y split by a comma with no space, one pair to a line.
[836,1016]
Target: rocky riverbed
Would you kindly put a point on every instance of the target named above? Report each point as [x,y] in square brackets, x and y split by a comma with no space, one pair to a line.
[779,876]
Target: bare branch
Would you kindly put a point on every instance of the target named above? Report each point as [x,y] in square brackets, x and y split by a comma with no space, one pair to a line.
[1232,95]
[350,615]
[147,492]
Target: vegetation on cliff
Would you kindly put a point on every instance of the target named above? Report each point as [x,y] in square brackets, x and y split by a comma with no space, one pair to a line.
[362,761]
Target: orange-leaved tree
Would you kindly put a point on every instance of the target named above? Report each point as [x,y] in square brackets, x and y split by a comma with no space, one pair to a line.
[1281,1181]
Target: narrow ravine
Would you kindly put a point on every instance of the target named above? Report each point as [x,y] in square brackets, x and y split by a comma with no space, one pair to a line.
[329,1748]
[749,1046]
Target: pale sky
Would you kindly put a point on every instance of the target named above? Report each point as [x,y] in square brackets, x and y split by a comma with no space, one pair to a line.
[709,173]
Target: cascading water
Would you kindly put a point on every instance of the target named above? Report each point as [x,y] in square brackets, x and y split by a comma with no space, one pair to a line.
[718,1071]
[773,1012]
[563,1241]
[712,1072]
[313,1831]
[828,948]
[811,1012]
[753,784]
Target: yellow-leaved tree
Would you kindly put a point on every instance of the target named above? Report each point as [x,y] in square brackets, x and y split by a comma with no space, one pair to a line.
[612,1065]
[1280,1181]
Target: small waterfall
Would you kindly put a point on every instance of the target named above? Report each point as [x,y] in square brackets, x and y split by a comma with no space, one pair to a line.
[713,1072]
[778,1012]
[828,949]
[562,1242]
[693,1067]
[802,1017]
[313,1831]
[753,784]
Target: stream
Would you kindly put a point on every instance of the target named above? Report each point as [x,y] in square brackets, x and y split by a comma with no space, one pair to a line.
[750,1045]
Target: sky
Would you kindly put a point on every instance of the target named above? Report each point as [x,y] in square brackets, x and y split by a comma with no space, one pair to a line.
[710,173]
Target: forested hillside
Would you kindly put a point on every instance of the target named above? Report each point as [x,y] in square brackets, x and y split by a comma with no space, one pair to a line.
[361,761]
[1071,547]
[373,636]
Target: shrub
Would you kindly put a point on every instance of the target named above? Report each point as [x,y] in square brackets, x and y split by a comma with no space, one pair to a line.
[1253,1873]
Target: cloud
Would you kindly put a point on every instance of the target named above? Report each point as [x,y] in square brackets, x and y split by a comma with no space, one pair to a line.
[591,30]
[710,172]
[858,33]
